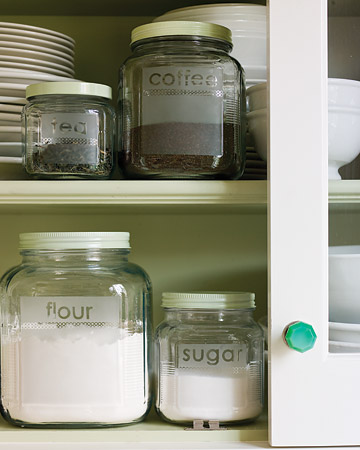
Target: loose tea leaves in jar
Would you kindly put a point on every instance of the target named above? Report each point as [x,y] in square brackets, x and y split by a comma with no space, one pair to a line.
[69,130]
[182,103]
[72,159]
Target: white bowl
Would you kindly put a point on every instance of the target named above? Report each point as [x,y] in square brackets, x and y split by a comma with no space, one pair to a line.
[250,50]
[236,23]
[343,124]
[257,126]
[221,8]
[248,24]
[344,284]
[344,138]
[344,332]
[343,347]
[341,93]
[257,97]
[344,93]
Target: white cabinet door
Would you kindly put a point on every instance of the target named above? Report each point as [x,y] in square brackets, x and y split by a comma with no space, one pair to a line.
[314,396]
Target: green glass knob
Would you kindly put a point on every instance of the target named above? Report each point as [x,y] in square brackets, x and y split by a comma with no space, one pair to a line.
[300,336]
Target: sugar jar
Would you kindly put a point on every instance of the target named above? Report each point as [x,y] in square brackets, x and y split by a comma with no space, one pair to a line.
[181,103]
[68,130]
[209,358]
[75,332]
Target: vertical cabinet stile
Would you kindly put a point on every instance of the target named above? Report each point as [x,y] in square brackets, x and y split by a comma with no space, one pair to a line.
[300,406]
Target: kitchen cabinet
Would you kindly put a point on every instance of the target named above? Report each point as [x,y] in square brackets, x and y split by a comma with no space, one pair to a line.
[270,237]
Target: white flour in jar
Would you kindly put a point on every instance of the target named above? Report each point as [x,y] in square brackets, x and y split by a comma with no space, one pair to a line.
[186,395]
[92,376]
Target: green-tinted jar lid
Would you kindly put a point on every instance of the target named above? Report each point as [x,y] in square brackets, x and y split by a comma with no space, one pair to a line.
[73,240]
[69,88]
[208,300]
[180,28]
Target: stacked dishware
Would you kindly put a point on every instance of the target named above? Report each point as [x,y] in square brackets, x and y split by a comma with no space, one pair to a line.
[248,25]
[343,122]
[344,299]
[28,55]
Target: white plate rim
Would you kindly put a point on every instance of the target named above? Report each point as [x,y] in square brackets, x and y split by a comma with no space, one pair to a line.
[34,54]
[30,75]
[11,100]
[34,29]
[35,62]
[37,48]
[42,42]
[10,160]
[7,129]
[9,65]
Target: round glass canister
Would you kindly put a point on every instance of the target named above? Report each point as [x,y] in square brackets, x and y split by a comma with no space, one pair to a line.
[68,130]
[209,358]
[75,333]
[181,103]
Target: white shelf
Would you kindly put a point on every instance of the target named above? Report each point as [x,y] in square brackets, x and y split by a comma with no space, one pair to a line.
[344,191]
[133,193]
[151,430]
[214,195]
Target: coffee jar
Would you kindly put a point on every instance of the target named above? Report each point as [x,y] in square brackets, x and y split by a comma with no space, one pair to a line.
[75,333]
[209,358]
[181,103]
[69,130]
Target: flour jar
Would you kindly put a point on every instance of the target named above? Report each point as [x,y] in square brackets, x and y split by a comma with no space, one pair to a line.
[75,332]
[69,130]
[181,103]
[209,358]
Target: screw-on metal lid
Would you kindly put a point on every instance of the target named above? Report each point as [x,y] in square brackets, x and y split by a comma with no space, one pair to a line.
[73,240]
[70,88]
[208,300]
[180,28]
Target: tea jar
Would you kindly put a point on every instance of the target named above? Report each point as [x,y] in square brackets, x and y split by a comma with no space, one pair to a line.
[75,332]
[68,130]
[209,358]
[181,103]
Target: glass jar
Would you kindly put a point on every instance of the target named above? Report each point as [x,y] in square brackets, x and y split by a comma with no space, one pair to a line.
[182,103]
[75,333]
[68,130]
[209,358]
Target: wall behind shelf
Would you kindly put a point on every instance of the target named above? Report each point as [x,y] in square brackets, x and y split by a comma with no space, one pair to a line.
[179,251]
[105,7]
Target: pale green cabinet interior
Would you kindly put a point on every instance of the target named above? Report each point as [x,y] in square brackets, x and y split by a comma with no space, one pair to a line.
[187,235]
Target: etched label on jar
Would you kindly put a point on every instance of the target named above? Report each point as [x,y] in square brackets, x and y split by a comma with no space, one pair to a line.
[70,126]
[182,111]
[93,311]
[211,355]
[69,138]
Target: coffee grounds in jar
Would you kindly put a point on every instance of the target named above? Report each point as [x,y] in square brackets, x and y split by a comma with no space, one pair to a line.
[181,149]
[71,159]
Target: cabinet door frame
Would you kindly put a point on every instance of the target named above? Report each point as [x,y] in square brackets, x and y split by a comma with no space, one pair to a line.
[313,396]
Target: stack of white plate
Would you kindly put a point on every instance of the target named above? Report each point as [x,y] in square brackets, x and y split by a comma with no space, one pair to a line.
[248,25]
[344,337]
[28,55]
[344,299]
[255,167]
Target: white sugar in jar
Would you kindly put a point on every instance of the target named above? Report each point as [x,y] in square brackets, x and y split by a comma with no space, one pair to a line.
[75,333]
[209,358]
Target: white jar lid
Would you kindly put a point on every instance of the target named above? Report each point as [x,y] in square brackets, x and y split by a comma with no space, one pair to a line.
[73,240]
[208,300]
[68,88]
[181,28]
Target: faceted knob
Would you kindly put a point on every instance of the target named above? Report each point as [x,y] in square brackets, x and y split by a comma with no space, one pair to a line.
[300,336]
